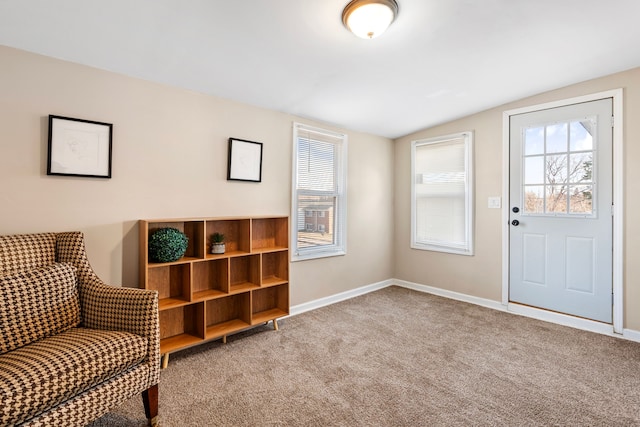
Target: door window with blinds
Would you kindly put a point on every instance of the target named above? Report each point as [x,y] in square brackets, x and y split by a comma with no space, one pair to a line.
[319,202]
[442,194]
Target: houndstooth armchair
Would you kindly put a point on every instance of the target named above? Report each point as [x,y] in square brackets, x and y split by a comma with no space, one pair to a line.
[71,347]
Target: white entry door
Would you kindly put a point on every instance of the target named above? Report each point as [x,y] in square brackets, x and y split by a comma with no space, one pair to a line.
[561,210]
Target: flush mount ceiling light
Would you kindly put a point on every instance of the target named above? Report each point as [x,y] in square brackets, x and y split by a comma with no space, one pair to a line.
[369,18]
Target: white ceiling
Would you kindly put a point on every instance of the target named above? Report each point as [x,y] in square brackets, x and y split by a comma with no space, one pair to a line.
[440,59]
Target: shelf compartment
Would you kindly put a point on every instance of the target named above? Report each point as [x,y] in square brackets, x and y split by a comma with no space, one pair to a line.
[269,303]
[194,230]
[268,234]
[237,236]
[244,273]
[275,268]
[172,283]
[226,328]
[227,315]
[181,327]
[210,279]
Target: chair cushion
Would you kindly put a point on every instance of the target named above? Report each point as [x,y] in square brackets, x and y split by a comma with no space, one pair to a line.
[24,252]
[43,374]
[37,304]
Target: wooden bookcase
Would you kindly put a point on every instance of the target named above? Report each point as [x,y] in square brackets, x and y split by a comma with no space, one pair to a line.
[204,296]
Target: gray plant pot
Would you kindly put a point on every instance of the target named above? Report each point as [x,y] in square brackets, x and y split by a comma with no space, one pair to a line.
[217,248]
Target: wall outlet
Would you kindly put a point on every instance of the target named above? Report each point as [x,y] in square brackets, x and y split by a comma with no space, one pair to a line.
[494,202]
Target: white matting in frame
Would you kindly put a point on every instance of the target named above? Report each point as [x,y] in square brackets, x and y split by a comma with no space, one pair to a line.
[79,147]
[245,160]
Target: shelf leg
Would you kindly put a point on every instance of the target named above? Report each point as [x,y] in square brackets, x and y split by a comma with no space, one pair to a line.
[275,324]
[165,360]
[224,339]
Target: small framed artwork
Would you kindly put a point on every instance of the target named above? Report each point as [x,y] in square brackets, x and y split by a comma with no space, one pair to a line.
[79,147]
[245,160]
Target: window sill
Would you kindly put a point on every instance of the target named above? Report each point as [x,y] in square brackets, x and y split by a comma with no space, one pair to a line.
[316,255]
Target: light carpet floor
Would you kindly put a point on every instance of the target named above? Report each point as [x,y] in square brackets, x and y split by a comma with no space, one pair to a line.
[398,357]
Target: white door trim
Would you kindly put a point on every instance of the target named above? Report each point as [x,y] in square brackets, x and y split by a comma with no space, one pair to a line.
[618,211]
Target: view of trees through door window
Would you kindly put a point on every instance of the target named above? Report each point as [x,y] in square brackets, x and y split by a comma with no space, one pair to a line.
[558,173]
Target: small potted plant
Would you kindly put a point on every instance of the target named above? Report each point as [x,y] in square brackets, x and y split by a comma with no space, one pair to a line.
[217,243]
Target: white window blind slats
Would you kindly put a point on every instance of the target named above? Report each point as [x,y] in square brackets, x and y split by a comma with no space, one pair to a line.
[316,165]
[441,169]
[442,194]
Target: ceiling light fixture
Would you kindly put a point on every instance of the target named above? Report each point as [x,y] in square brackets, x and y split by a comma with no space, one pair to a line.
[369,18]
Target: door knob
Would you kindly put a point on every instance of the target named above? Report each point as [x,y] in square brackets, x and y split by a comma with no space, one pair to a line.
[516,209]
[515,222]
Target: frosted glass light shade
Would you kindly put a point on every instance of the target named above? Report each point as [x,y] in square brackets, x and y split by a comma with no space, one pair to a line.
[369,18]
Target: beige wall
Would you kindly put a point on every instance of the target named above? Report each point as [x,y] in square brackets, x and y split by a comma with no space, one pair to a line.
[480,275]
[169,160]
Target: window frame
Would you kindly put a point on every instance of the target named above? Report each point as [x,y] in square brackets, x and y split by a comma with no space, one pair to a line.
[467,248]
[340,193]
[569,184]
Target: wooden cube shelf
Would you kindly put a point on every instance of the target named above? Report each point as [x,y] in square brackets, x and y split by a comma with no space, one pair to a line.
[193,229]
[172,283]
[204,296]
[227,315]
[181,327]
[275,268]
[269,234]
[236,236]
[269,303]
[210,279]
[245,273]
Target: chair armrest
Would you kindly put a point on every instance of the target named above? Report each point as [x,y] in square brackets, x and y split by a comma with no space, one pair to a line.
[110,307]
[123,309]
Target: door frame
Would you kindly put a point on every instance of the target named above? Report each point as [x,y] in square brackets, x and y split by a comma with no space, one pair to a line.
[618,217]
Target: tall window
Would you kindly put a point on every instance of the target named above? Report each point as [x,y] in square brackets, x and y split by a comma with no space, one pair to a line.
[319,185]
[442,194]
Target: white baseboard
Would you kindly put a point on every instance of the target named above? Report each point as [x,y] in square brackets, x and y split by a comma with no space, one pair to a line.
[522,310]
[450,294]
[332,299]
[631,335]
[535,313]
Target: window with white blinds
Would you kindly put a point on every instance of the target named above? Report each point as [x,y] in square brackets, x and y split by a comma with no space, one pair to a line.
[442,194]
[318,225]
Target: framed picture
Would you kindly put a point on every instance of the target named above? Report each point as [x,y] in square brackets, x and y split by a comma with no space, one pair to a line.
[245,160]
[79,147]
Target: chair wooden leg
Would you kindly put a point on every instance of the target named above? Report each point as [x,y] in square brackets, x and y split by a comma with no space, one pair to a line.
[150,401]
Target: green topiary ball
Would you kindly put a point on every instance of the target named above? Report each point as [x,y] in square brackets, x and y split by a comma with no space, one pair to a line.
[167,245]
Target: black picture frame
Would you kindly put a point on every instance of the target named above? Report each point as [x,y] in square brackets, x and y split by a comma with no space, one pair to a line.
[244,161]
[79,147]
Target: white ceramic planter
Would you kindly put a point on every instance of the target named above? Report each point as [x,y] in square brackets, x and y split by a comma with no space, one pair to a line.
[217,248]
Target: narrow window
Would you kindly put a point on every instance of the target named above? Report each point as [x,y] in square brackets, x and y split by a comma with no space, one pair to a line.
[442,194]
[318,225]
